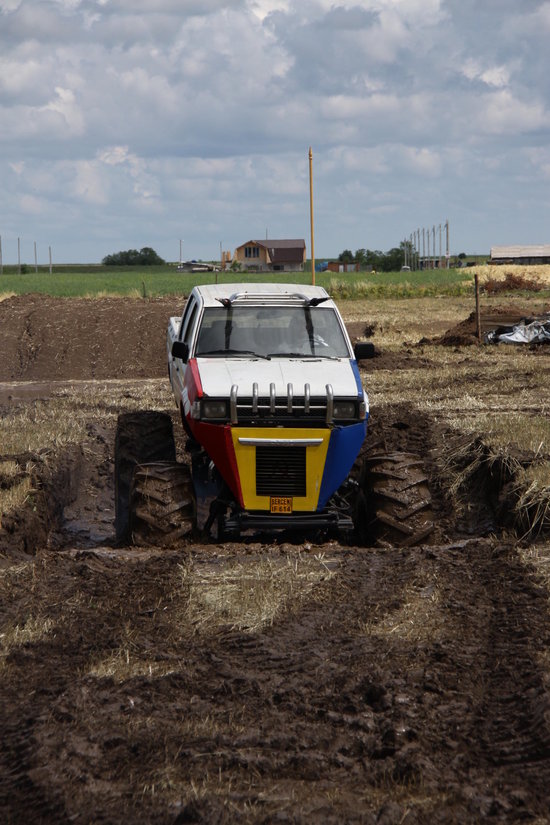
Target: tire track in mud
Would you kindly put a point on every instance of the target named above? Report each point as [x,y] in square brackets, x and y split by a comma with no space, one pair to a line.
[514,723]
[411,698]
[414,677]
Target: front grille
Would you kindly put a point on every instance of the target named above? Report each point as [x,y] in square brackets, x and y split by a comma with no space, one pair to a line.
[292,408]
[280,471]
[263,411]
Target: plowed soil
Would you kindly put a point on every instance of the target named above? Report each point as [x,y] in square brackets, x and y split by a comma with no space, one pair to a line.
[310,681]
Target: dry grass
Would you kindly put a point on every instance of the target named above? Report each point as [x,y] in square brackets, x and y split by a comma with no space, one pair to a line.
[420,616]
[224,595]
[532,488]
[125,664]
[62,419]
[15,485]
[5,295]
[497,397]
[15,496]
[535,272]
[395,321]
[33,630]
[537,557]
[248,594]
[501,394]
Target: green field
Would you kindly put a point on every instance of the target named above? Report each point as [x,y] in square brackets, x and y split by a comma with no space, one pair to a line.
[152,281]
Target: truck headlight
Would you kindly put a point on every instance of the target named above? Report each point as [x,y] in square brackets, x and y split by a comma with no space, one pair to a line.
[214,409]
[344,409]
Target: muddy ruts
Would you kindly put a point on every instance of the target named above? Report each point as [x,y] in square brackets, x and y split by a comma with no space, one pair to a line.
[514,718]
[54,485]
[24,795]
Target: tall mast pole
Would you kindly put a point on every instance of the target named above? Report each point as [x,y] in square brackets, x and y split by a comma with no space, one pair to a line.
[311,216]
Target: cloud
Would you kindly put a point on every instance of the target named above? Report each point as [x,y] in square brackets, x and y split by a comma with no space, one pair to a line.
[193,118]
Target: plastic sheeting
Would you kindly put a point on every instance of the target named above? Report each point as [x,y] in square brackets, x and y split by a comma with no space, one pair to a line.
[526,332]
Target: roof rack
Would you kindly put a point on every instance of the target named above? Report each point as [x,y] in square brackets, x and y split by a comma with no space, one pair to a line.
[278,298]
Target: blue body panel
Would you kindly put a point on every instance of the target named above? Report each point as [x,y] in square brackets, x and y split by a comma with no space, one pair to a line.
[343,448]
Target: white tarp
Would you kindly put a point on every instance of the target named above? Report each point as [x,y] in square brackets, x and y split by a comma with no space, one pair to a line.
[535,332]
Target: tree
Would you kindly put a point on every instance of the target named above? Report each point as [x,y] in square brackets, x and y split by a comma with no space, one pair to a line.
[361,257]
[131,257]
[346,257]
[393,260]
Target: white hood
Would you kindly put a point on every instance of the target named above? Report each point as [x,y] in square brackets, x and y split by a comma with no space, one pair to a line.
[218,376]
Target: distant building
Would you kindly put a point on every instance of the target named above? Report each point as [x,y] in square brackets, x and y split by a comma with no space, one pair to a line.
[343,266]
[272,255]
[538,254]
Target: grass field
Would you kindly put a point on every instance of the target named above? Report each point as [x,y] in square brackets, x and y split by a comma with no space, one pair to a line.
[154,281]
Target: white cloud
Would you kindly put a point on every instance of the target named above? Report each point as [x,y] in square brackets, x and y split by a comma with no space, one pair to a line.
[65,104]
[497,76]
[264,7]
[31,205]
[505,114]
[7,6]
[193,117]
[114,155]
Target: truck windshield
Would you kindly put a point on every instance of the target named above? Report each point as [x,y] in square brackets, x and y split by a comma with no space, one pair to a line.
[272,331]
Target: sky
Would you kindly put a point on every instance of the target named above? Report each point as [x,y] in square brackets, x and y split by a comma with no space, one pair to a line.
[186,124]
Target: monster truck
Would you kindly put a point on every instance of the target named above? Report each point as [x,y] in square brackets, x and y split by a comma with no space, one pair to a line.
[271,400]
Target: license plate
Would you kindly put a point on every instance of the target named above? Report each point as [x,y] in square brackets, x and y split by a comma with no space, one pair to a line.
[281,504]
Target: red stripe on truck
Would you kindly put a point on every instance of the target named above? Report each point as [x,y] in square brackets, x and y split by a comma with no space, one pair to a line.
[218,443]
[193,381]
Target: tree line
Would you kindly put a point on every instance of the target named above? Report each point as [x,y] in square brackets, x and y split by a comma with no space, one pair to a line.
[390,261]
[133,257]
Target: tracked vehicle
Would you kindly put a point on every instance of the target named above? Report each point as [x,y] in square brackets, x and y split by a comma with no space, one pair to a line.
[270,397]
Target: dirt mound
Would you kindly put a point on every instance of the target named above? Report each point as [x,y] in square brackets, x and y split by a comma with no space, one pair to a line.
[46,338]
[465,333]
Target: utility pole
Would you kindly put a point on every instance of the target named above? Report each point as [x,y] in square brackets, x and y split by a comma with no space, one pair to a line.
[433,246]
[311,216]
[440,261]
[423,247]
[1,261]
[181,259]
[447,252]
[50,253]
[19,256]
[35,259]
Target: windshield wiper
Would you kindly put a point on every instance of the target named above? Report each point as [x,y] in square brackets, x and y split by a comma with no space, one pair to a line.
[222,352]
[292,355]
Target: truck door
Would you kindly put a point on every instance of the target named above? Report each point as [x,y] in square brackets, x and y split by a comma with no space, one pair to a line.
[187,327]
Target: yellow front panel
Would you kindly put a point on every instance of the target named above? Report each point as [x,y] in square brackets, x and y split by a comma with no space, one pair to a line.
[246,463]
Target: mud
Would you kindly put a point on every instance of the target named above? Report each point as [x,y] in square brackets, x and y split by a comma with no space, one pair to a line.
[399,686]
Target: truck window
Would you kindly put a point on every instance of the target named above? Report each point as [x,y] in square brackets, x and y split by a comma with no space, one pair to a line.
[188,321]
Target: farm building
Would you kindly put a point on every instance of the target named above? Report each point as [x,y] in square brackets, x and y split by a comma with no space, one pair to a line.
[343,266]
[272,255]
[538,254]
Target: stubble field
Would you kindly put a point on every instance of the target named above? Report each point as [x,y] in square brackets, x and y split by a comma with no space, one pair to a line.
[273,681]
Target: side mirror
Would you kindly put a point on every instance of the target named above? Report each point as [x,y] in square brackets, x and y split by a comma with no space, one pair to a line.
[363,350]
[180,350]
